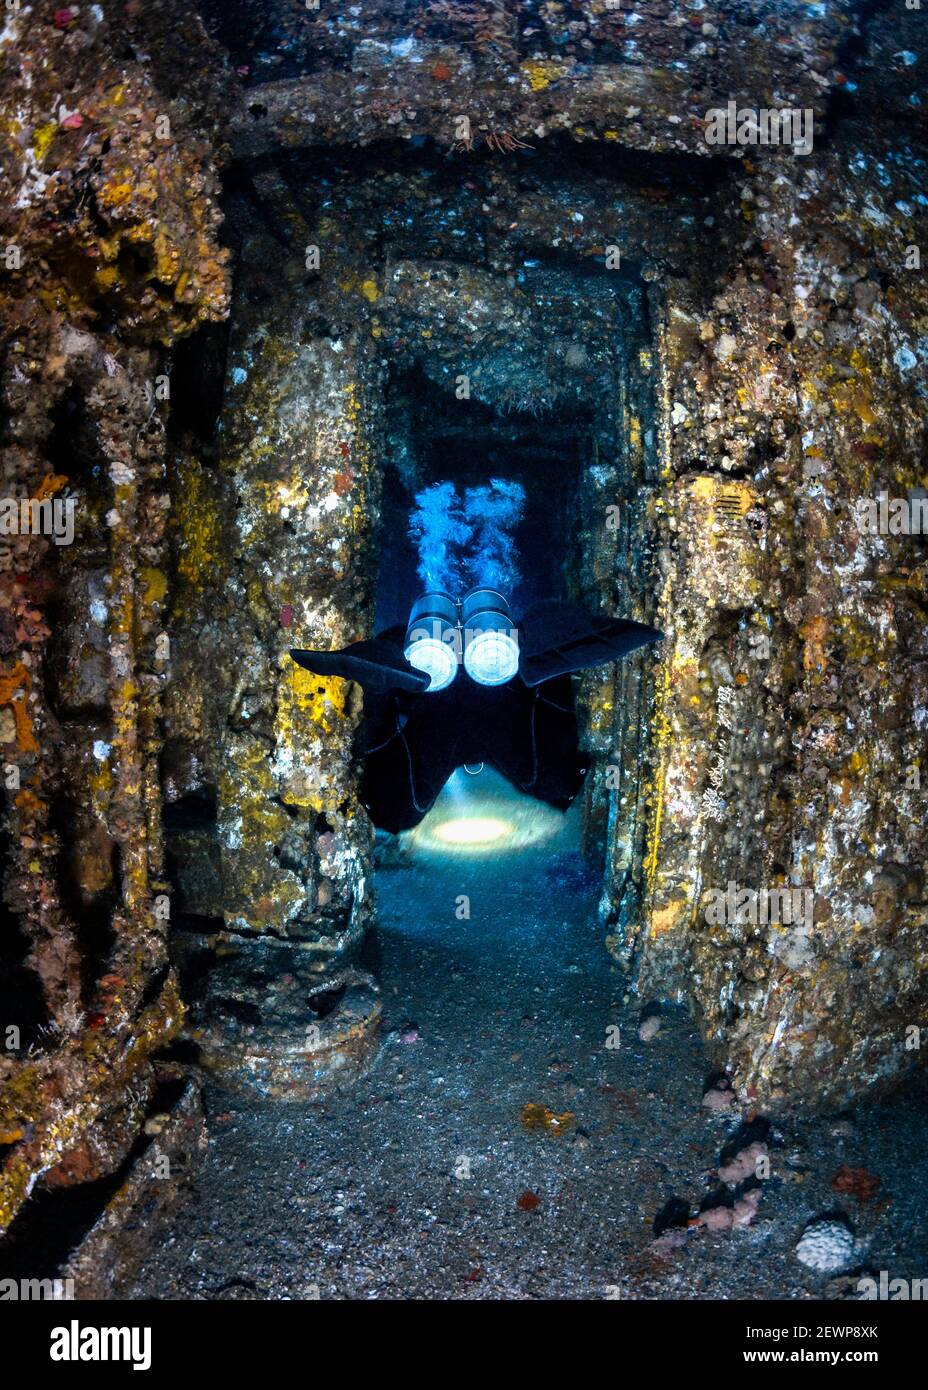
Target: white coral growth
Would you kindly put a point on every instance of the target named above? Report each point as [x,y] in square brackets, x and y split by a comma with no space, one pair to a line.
[827,1246]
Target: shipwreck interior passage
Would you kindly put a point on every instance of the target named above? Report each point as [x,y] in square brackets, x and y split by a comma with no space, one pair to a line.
[613,978]
[430,376]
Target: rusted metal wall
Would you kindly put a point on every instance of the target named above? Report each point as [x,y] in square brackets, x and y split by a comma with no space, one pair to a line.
[110,254]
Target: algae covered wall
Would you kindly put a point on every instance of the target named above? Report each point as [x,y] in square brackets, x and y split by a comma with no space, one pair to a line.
[792,706]
[275,547]
[110,253]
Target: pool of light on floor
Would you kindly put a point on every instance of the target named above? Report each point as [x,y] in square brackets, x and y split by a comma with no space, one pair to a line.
[472,830]
[483,814]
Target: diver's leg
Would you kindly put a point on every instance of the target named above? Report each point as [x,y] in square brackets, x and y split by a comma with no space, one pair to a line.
[386,791]
[539,751]
[404,775]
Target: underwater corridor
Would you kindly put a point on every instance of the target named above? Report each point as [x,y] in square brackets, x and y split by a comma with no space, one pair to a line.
[487,417]
[442,999]
[491,419]
[462,697]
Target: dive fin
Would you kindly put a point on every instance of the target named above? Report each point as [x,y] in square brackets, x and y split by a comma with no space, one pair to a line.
[556,638]
[376,665]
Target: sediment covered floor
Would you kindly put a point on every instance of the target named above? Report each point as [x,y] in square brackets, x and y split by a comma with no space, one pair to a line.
[358,1198]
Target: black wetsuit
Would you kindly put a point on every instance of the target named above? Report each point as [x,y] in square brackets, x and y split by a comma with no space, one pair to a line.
[411,743]
[412,739]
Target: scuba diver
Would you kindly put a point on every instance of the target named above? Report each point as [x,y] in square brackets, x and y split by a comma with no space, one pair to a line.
[510,706]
